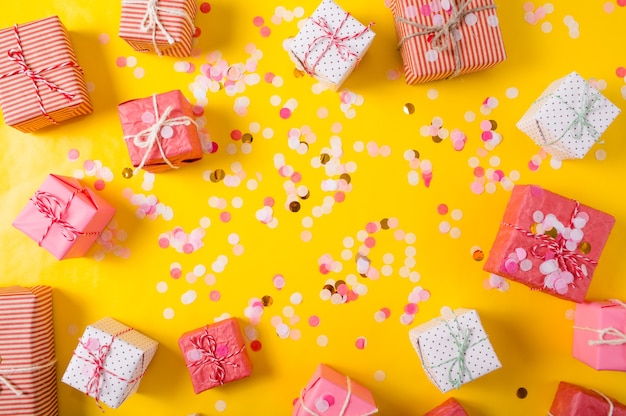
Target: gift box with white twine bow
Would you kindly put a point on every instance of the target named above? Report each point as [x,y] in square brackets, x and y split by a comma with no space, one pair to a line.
[164,27]
[573,400]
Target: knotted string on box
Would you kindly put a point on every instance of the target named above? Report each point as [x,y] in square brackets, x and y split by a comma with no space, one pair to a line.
[619,337]
[609,401]
[20,369]
[346,402]
[149,137]
[151,21]
[442,36]
[54,209]
[207,345]
[17,56]
[334,40]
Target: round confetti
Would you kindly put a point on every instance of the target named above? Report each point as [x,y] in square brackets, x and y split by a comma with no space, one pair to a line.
[380,376]
[322,340]
[522,393]
[361,343]
[168,313]
[220,405]
[205,7]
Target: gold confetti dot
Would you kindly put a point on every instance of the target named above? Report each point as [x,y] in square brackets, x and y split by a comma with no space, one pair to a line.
[127,173]
[346,177]
[305,196]
[417,154]
[584,247]
[294,206]
[330,288]
[494,124]
[384,223]
[552,232]
[267,300]
[217,175]
[437,139]
[339,283]
[247,138]
[297,73]
[533,228]
[324,158]
[409,108]
[478,255]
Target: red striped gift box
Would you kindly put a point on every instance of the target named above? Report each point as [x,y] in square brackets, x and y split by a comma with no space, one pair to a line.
[445,38]
[28,366]
[164,27]
[41,83]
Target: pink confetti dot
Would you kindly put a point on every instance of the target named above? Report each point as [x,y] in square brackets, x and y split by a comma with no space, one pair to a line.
[225,216]
[477,188]
[486,136]
[442,209]
[265,31]
[371,227]
[215,295]
[485,125]
[386,311]
[279,281]
[360,343]
[236,134]
[89,165]
[411,308]
[164,242]
[197,110]
[324,269]
[529,6]
[296,177]
[425,10]
[268,202]
[479,171]
[370,242]
[340,196]
[197,32]
[285,113]
[532,166]
[621,3]
[621,72]
[258,21]
[188,248]
[73,154]
[176,273]
[99,185]
[205,7]
[269,77]
[121,61]
[314,320]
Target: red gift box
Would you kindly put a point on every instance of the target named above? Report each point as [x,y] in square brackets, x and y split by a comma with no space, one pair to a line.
[549,243]
[65,217]
[41,83]
[215,355]
[165,27]
[436,43]
[28,366]
[160,132]
[448,408]
[573,400]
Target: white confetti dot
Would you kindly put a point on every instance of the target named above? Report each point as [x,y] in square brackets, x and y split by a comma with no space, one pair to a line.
[322,340]
[546,27]
[432,94]
[555,163]
[296,298]
[457,214]
[600,154]
[199,270]
[444,227]
[188,297]
[512,92]
[168,313]
[220,405]
[469,116]
[431,55]
[380,376]
[455,232]
[161,287]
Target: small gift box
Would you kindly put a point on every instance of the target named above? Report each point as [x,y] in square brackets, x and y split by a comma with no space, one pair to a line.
[109,361]
[160,131]
[600,334]
[448,408]
[215,355]
[331,393]
[549,243]
[573,400]
[164,27]
[28,363]
[330,44]
[64,216]
[454,349]
[41,83]
[443,39]
[568,117]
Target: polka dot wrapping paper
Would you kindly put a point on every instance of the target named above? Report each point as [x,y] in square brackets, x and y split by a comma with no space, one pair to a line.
[572,399]
[448,408]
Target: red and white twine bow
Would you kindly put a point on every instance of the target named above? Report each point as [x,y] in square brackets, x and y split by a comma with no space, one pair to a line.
[334,40]
[206,344]
[17,55]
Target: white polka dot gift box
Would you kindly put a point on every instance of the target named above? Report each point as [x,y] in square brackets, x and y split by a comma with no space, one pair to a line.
[568,118]
[573,400]
[109,361]
[331,393]
[330,44]
[27,357]
[64,216]
[160,132]
[442,39]
[454,349]
[549,243]
[164,27]
[41,83]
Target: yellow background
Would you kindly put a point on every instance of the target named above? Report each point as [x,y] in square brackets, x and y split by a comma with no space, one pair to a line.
[530,331]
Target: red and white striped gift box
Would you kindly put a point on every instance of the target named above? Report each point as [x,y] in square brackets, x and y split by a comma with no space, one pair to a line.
[28,366]
[147,24]
[30,102]
[473,44]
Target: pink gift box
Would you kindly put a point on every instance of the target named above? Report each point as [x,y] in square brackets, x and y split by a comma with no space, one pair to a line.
[215,355]
[331,393]
[65,217]
[160,131]
[573,400]
[549,243]
[448,408]
[600,334]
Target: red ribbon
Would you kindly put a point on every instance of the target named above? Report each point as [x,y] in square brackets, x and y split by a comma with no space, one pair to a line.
[17,55]
[207,345]
[333,40]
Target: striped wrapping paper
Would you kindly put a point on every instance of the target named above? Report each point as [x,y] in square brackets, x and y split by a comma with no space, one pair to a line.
[27,352]
[480,44]
[140,36]
[45,43]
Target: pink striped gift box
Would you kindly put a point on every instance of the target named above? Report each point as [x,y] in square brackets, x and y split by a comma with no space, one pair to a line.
[445,38]
[164,27]
[28,363]
[41,83]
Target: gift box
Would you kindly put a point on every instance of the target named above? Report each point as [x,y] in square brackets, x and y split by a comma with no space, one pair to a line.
[573,400]
[568,118]
[330,44]
[160,131]
[164,27]
[109,361]
[454,349]
[600,334]
[28,363]
[448,408]
[215,355]
[64,216]
[41,83]
[331,393]
[549,243]
[438,41]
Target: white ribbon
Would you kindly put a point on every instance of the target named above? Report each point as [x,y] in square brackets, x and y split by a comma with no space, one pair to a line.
[345,403]
[611,405]
[21,369]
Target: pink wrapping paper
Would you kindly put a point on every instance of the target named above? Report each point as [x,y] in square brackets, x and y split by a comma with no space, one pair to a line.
[600,334]
[573,400]
[448,408]
[64,216]
[549,243]
[327,393]
[215,355]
